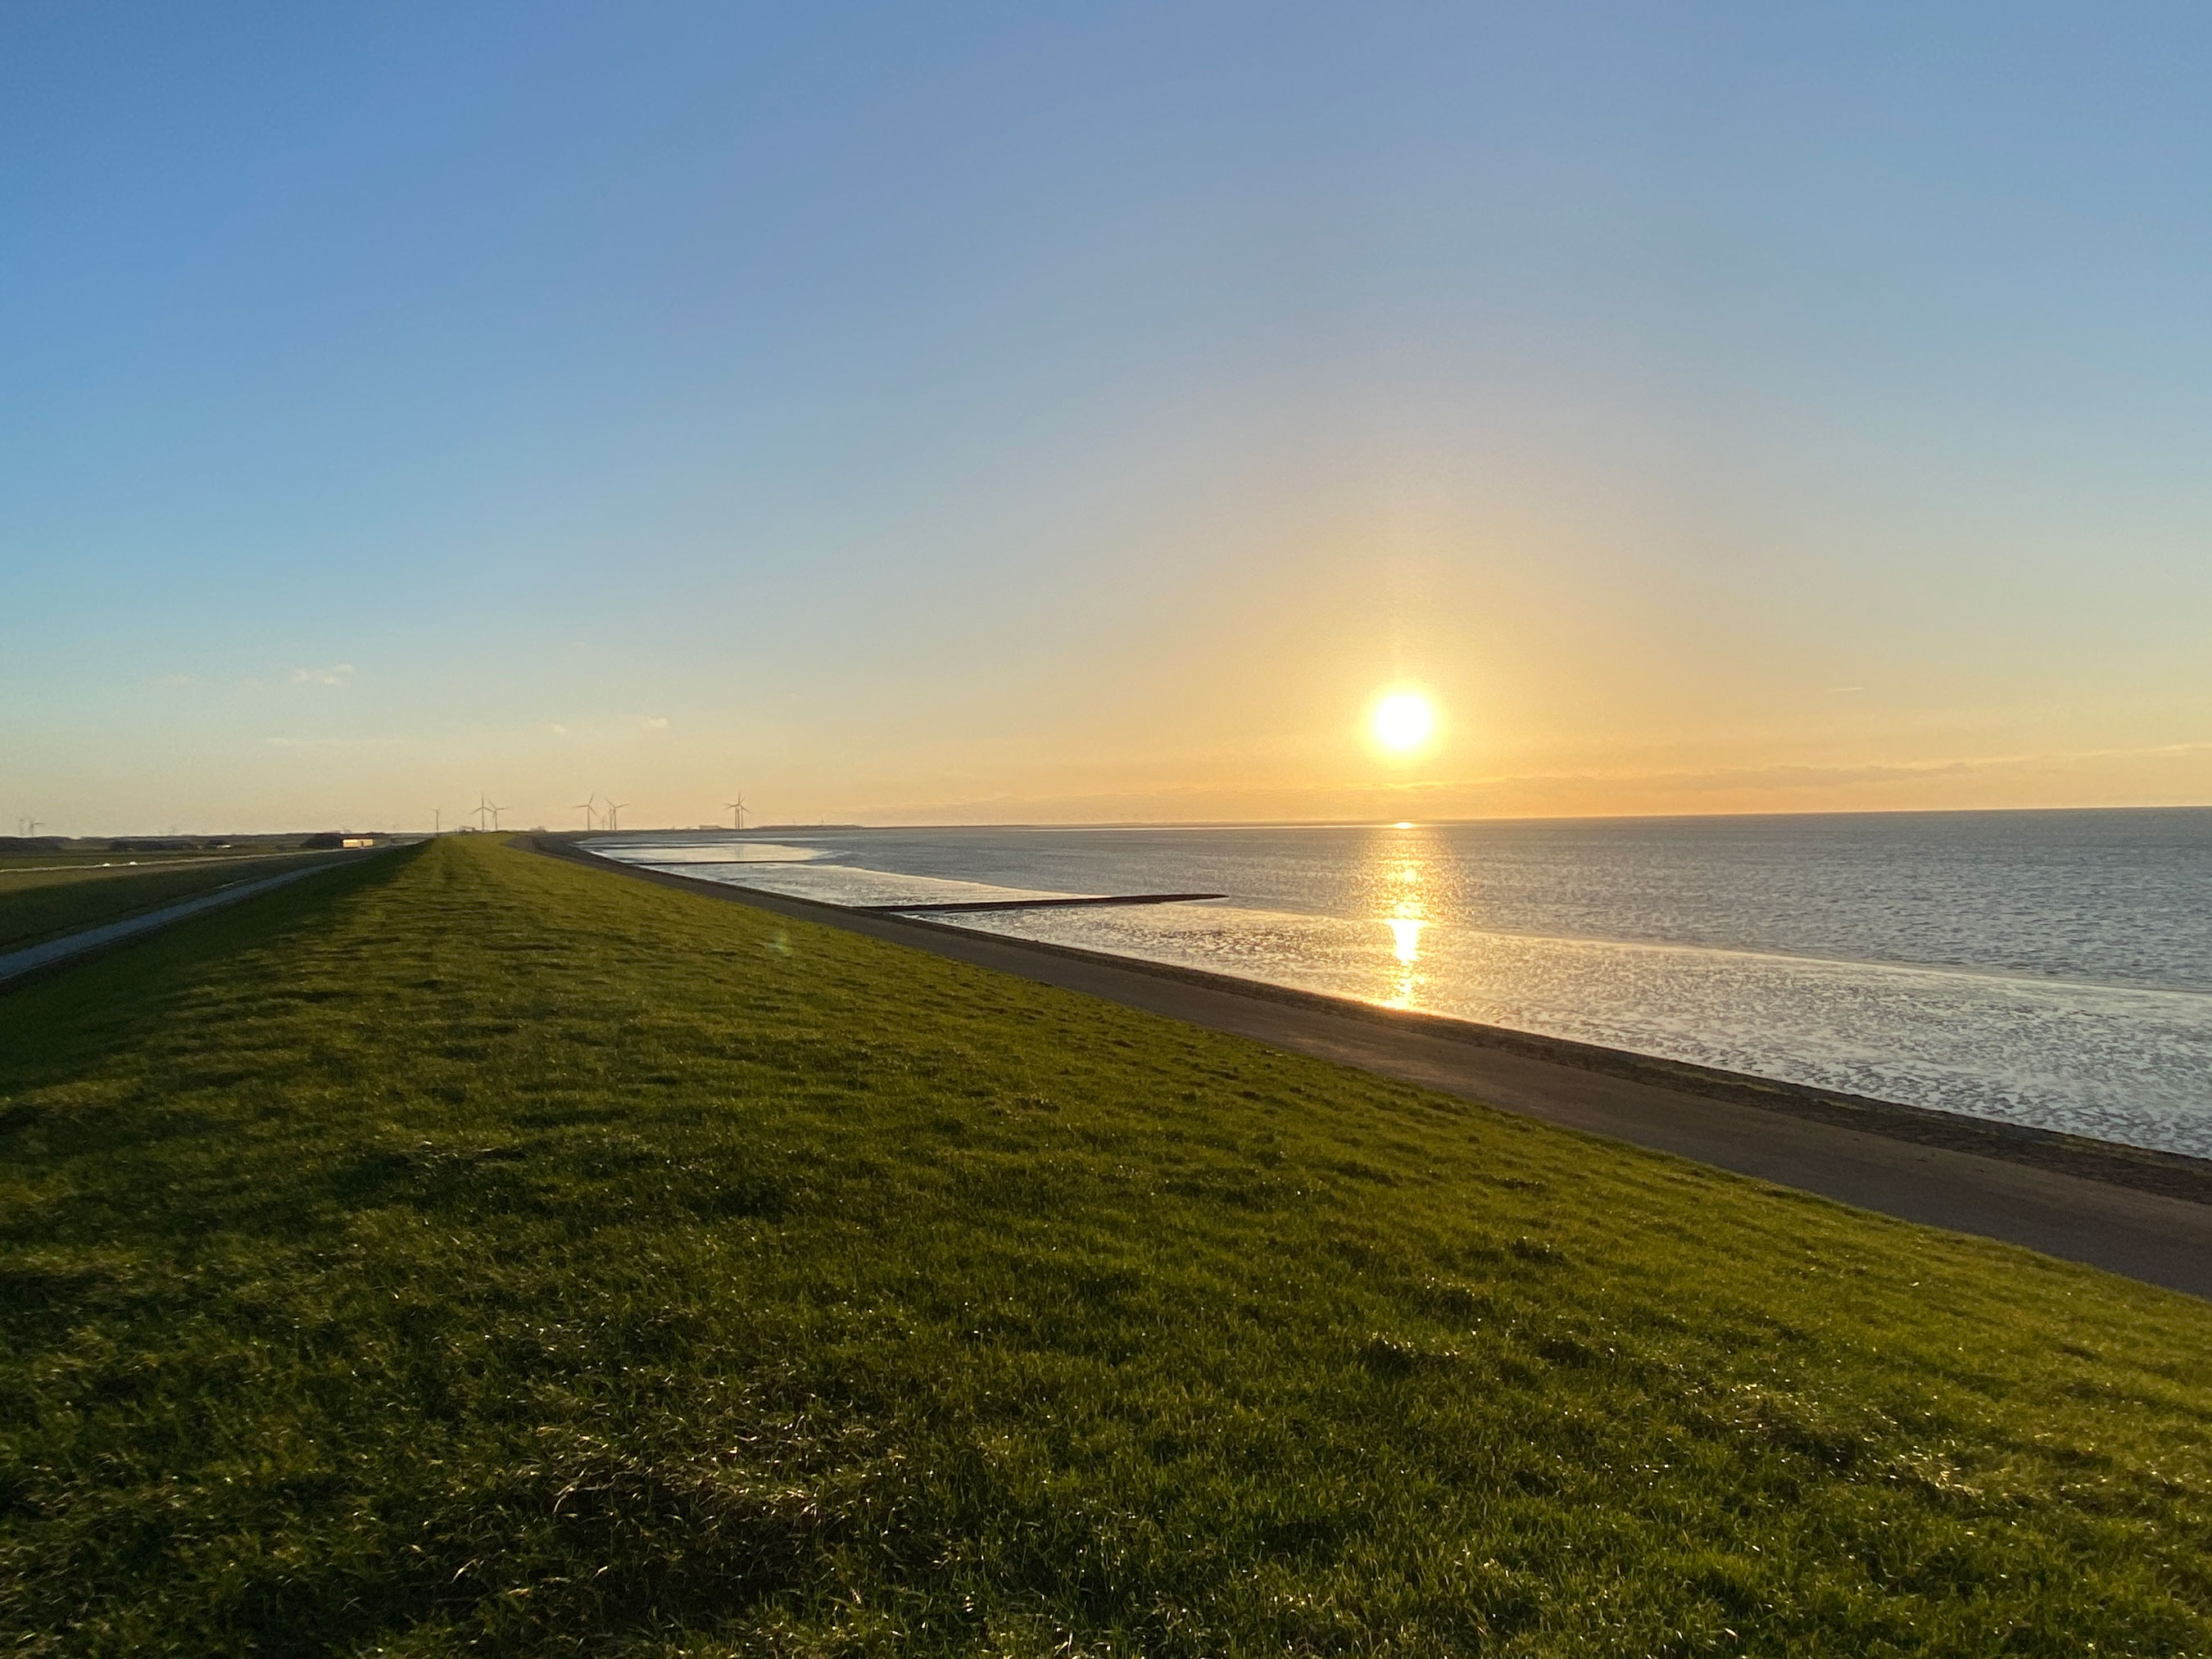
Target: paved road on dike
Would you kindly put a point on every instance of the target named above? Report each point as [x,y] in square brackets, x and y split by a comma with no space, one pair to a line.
[31,957]
[2151,1235]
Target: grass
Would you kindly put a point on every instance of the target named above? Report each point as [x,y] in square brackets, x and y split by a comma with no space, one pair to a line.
[469,1252]
[37,905]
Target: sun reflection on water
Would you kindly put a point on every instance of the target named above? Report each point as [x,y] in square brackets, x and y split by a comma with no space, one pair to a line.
[1405,913]
[1406,933]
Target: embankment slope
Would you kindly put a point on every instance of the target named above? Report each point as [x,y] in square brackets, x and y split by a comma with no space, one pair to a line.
[471,1251]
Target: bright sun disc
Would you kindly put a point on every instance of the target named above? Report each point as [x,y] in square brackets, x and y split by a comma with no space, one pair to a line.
[1403,722]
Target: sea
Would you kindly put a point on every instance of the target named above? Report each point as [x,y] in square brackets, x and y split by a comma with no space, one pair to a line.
[2052,969]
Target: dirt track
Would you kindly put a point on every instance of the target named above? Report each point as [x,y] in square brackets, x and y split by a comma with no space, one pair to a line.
[2146,1215]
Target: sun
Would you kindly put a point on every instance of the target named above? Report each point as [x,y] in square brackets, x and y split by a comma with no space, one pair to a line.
[1403,722]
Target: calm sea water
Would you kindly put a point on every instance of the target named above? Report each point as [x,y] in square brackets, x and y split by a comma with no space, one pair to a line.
[2044,967]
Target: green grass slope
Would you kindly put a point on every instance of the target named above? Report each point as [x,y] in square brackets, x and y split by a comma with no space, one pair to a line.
[472,1252]
[37,905]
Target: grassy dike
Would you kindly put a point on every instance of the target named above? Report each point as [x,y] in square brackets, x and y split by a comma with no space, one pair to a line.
[470,1251]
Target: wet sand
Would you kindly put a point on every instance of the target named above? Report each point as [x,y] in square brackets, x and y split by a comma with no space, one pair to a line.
[2148,1215]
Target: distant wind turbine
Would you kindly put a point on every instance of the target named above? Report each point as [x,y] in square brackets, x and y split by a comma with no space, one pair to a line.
[584,807]
[736,810]
[437,820]
[494,809]
[614,809]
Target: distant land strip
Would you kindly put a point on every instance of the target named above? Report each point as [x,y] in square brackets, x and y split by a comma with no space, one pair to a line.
[1036,903]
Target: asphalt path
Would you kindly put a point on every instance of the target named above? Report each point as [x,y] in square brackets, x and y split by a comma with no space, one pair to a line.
[2146,1215]
[54,952]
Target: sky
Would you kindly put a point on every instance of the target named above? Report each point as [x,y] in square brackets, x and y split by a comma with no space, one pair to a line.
[980,412]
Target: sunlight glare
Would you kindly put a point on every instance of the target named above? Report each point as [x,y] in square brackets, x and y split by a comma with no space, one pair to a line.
[1403,722]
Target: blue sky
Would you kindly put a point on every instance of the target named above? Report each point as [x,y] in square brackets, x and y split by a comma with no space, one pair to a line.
[987,411]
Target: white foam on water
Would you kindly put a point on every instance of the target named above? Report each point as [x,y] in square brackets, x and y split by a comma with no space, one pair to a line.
[830,883]
[663,852]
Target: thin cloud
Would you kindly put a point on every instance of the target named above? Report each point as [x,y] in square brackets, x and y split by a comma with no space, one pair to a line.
[654,723]
[337,674]
[377,741]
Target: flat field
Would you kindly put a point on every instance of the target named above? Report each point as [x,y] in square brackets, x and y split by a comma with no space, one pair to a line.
[464,1251]
[37,905]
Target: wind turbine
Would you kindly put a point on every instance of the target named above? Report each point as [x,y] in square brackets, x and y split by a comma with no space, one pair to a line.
[584,807]
[494,809]
[738,811]
[614,808]
[437,820]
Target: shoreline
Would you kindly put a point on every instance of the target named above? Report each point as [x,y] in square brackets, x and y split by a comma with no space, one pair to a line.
[2136,1211]
[2146,1169]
